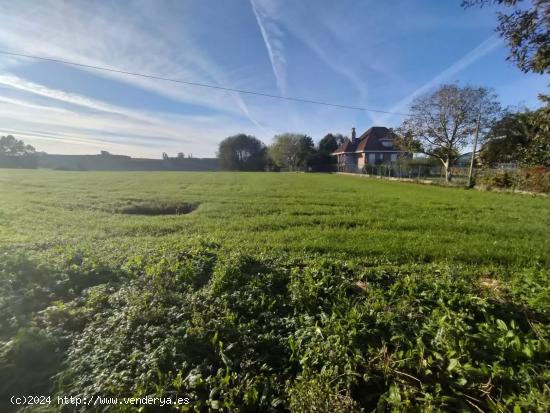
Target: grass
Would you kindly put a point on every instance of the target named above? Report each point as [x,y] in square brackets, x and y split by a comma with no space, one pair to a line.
[300,292]
[290,212]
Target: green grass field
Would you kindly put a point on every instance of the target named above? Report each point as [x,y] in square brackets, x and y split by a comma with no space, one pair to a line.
[277,292]
[289,212]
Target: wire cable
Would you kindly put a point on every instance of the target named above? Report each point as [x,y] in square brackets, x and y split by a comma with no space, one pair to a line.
[185,82]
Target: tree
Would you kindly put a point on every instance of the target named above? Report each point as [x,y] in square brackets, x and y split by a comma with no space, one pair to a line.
[537,152]
[180,155]
[507,137]
[321,160]
[104,153]
[522,137]
[11,146]
[165,156]
[526,30]
[292,151]
[330,143]
[14,153]
[443,123]
[242,153]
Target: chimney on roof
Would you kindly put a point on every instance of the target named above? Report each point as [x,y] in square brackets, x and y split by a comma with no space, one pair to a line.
[353,134]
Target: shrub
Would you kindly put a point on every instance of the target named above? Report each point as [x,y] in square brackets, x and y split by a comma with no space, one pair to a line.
[535,179]
[500,180]
[532,179]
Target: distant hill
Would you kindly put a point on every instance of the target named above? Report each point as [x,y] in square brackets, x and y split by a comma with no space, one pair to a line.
[108,162]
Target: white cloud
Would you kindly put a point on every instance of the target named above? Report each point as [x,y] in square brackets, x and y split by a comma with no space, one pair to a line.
[273,39]
[94,34]
[483,49]
[71,117]
[319,35]
[71,98]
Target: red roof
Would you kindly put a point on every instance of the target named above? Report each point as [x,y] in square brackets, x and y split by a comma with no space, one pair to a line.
[377,138]
[347,146]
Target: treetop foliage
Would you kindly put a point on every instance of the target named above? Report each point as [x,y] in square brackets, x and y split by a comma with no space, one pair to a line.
[242,153]
[526,30]
[522,137]
[330,142]
[291,150]
[9,145]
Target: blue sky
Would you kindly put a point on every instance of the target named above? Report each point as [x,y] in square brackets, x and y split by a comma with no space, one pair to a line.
[366,53]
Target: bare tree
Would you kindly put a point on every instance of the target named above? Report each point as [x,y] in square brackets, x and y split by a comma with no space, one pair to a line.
[445,122]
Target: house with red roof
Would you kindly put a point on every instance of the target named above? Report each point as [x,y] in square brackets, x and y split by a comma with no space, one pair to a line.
[374,147]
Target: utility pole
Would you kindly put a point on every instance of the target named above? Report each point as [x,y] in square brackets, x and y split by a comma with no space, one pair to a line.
[471,172]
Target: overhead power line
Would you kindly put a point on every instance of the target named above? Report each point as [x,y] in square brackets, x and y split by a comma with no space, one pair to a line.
[185,82]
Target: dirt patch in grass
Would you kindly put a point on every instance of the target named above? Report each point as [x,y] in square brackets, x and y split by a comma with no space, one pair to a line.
[360,287]
[492,286]
[158,208]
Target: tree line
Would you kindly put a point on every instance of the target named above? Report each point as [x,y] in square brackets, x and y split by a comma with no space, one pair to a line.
[14,153]
[440,125]
[443,123]
[289,151]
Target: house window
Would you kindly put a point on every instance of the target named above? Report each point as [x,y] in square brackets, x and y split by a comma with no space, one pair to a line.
[393,157]
[381,156]
[372,158]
